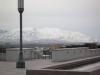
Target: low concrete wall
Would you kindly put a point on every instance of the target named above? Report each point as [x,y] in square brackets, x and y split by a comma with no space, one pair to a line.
[73,53]
[2,56]
[57,55]
[13,53]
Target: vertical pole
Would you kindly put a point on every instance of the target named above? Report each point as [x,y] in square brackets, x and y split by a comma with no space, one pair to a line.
[21,63]
[21,41]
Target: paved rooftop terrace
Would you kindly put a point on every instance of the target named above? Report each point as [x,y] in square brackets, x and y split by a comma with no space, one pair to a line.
[9,68]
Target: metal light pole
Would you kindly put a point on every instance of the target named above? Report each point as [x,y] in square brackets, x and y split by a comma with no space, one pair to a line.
[20,63]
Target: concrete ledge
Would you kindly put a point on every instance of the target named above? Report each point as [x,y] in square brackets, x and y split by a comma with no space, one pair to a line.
[65,69]
[75,63]
[54,72]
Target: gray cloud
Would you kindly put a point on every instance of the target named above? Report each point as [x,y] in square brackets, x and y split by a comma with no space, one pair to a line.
[75,15]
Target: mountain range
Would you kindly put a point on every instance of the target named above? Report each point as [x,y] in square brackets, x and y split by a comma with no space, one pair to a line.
[43,36]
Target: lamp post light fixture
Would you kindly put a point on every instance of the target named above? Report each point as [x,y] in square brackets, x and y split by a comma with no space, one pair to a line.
[20,63]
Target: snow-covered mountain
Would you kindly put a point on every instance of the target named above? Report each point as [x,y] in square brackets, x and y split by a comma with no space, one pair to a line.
[44,36]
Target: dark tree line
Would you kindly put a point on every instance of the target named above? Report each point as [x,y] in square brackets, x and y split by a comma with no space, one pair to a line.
[89,45]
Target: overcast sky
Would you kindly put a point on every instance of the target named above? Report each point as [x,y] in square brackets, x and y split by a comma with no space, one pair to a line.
[73,15]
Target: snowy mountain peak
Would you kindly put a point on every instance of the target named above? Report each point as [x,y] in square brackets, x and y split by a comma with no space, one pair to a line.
[45,35]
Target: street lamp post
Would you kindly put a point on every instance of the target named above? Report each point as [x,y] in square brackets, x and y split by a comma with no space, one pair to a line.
[20,63]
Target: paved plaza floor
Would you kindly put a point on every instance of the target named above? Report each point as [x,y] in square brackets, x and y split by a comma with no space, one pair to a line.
[9,68]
